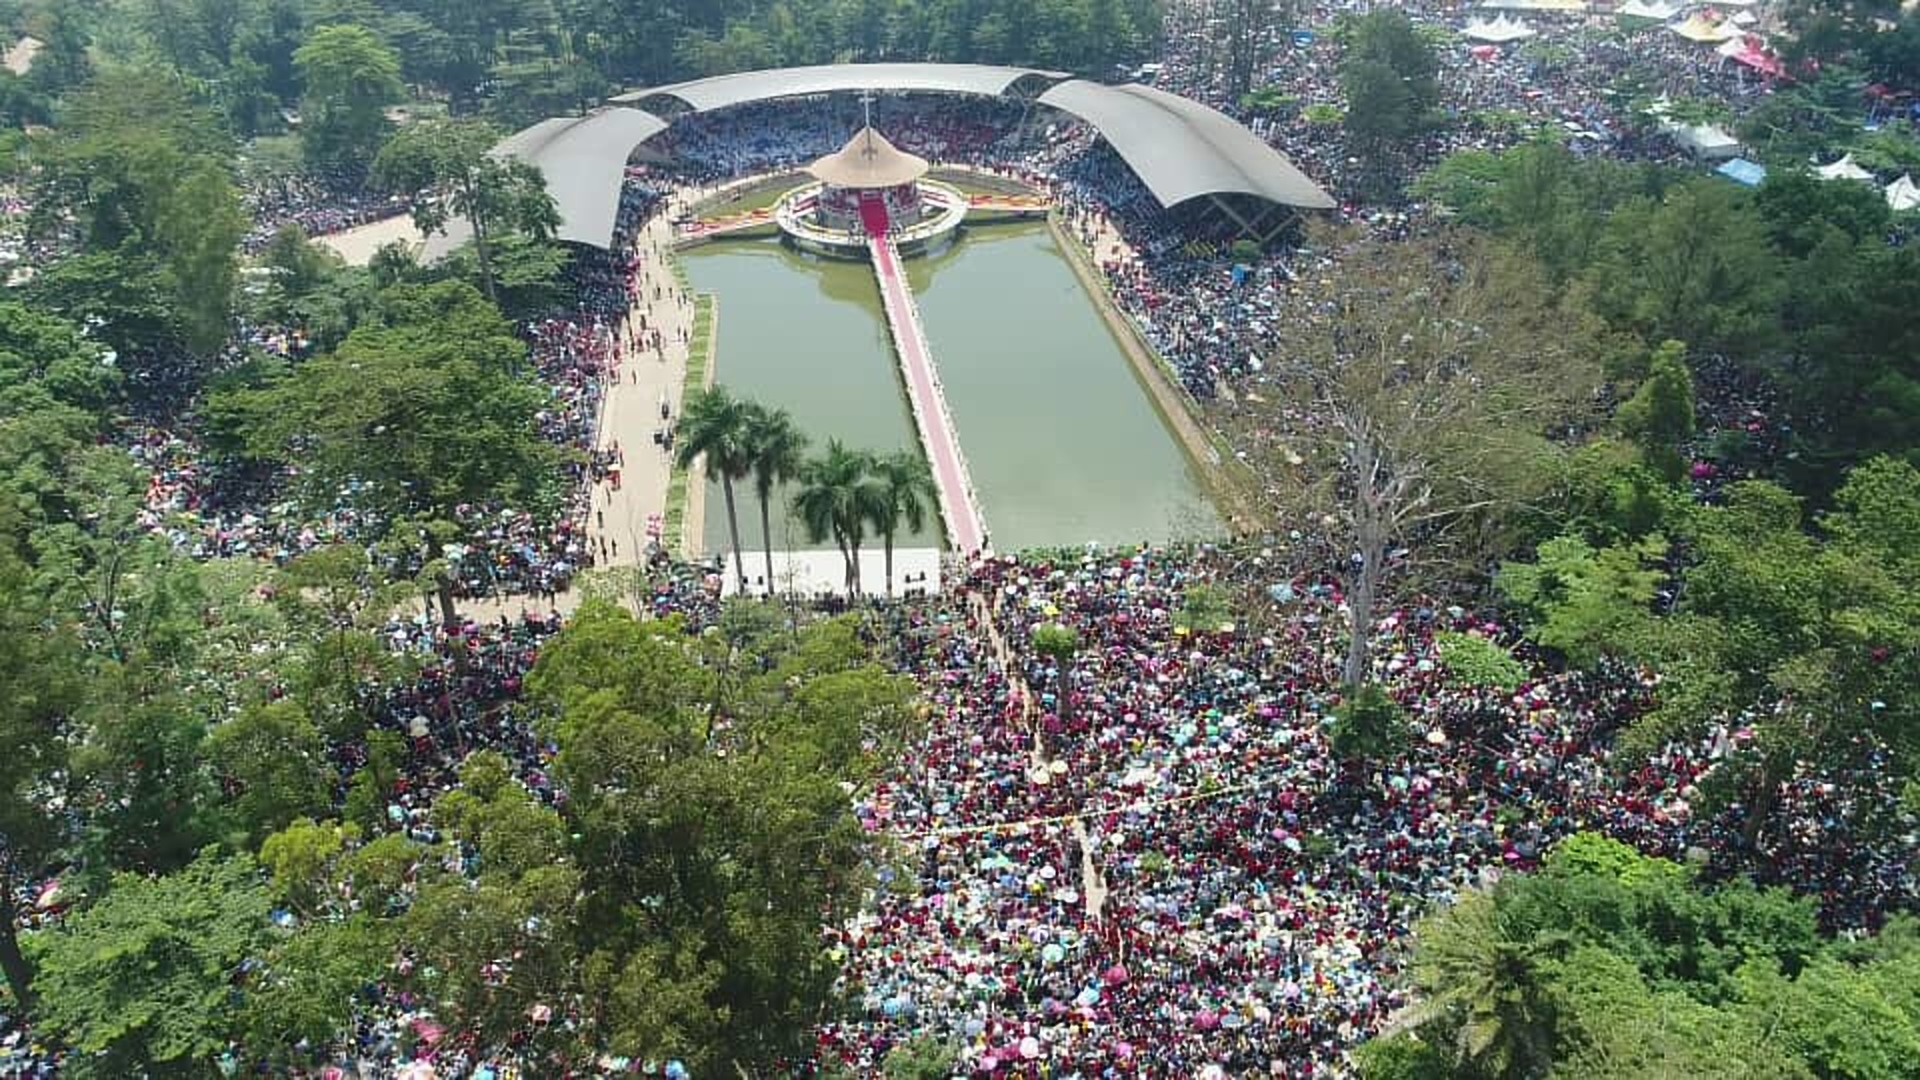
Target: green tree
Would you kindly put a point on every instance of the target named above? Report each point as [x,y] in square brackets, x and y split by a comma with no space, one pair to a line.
[711,825]
[1251,28]
[448,170]
[299,858]
[1399,1056]
[906,493]
[145,173]
[127,297]
[1435,372]
[1472,660]
[273,756]
[1799,209]
[1606,963]
[422,410]
[335,602]
[1584,602]
[923,1058]
[303,995]
[837,498]
[1659,415]
[495,943]
[1387,77]
[1695,267]
[351,76]
[1059,643]
[45,360]
[1853,371]
[1804,636]
[141,980]
[1205,607]
[1485,979]
[775,450]
[1369,726]
[717,430]
[41,664]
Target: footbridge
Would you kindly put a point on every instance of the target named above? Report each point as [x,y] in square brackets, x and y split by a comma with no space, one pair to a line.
[959,506]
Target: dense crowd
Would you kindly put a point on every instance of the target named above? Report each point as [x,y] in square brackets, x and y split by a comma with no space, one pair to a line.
[1159,870]
[319,204]
[218,508]
[1170,875]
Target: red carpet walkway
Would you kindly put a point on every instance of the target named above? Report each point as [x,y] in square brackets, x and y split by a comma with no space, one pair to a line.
[873,214]
[958,506]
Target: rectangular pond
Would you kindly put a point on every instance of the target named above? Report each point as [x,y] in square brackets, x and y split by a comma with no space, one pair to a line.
[1064,444]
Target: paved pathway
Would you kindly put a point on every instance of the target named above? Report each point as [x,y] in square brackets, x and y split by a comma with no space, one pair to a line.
[959,507]
[646,378]
[629,415]
[359,244]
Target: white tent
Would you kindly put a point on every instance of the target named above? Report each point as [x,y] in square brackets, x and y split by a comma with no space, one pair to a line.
[1744,18]
[1656,11]
[1903,194]
[19,58]
[1705,141]
[1498,32]
[1536,5]
[1844,169]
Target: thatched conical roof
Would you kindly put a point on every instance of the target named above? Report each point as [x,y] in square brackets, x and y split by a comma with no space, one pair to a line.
[869,161]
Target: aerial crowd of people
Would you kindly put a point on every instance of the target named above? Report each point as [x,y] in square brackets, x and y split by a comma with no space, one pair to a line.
[1169,873]
[1148,864]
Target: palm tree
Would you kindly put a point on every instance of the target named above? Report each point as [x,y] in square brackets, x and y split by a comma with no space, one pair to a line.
[906,491]
[1480,969]
[837,498]
[713,424]
[1059,642]
[774,447]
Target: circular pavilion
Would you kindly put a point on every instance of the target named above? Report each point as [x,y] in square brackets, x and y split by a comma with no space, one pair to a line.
[867,190]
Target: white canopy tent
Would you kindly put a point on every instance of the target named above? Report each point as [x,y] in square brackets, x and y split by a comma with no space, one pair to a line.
[1656,11]
[1498,32]
[1903,194]
[1565,6]
[1844,169]
[1708,142]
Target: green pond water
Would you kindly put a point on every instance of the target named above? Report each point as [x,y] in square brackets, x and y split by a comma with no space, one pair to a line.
[1064,445]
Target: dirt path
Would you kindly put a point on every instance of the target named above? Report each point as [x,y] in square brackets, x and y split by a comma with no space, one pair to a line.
[358,245]
[1093,880]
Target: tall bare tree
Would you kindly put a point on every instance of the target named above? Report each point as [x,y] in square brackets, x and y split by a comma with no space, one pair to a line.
[1248,29]
[1420,400]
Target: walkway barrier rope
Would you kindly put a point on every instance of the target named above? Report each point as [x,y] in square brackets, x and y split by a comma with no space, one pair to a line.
[1139,806]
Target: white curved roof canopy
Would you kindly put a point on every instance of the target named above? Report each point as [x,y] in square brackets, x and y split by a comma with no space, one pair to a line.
[721,91]
[584,159]
[1180,149]
[1184,150]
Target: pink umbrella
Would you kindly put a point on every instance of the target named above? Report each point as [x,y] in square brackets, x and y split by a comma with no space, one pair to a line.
[1115,975]
[428,1031]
